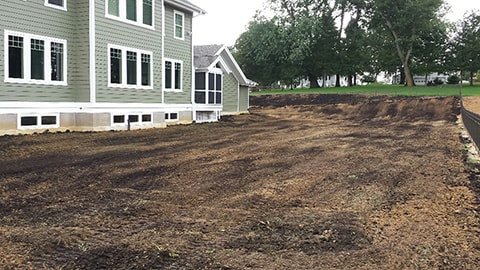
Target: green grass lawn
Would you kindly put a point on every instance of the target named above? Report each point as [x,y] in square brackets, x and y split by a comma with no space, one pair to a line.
[381,89]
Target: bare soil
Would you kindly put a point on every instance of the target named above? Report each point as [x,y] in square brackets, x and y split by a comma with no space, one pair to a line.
[303,182]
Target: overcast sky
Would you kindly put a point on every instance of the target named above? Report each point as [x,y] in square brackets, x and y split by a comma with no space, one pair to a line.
[226,20]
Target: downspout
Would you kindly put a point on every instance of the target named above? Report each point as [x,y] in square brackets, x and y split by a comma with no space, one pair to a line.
[163,54]
[192,95]
[92,44]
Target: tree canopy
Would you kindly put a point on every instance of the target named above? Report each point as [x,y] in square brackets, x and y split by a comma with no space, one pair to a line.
[309,39]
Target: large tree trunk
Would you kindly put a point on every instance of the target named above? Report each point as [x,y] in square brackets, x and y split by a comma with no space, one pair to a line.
[403,55]
[408,76]
[313,81]
[337,80]
[350,81]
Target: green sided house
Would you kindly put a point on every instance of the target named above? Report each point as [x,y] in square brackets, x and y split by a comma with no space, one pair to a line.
[96,65]
[221,88]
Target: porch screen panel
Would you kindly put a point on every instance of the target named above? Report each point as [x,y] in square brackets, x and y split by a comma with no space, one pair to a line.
[218,88]
[200,87]
[15,57]
[211,88]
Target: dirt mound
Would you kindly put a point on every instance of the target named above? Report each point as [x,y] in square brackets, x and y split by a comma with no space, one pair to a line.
[367,107]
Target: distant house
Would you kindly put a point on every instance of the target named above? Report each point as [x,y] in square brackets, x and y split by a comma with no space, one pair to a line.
[425,79]
[108,65]
[220,86]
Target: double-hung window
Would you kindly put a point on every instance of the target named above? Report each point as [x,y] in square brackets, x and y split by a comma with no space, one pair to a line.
[139,12]
[60,4]
[173,75]
[35,59]
[179,21]
[129,68]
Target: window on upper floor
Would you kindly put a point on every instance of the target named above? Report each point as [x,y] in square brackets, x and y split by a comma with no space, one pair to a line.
[61,4]
[179,19]
[35,59]
[173,75]
[139,12]
[129,68]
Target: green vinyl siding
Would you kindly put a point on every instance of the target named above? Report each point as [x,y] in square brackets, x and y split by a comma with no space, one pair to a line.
[34,18]
[230,93]
[119,33]
[178,49]
[243,101]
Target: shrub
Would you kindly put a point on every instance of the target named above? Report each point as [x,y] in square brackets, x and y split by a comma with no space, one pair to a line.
[453,79]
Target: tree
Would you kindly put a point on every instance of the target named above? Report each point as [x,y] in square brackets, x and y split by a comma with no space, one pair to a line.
[312,35]
[466,42]
[431,56]
[262,53]
[408,22]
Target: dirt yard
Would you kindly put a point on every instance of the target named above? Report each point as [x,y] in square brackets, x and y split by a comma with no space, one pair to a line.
[307,182]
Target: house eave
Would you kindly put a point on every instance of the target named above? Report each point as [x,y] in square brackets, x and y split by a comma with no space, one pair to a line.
[186,6]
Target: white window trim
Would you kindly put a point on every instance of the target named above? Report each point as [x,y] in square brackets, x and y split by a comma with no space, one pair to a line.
[175,13]
[215,71]
[27,59]
[126,115]
[173,75]
[123,14]
[170,116]
[39,121]
[124,68]
[64,7]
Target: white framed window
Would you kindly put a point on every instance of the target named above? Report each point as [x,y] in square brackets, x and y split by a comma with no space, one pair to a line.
[171,116]
[173,75]
[134,119]
[179,24]
[129,68]
[208,87]
[60,4]
[138,12]
[36,121]
[35,59]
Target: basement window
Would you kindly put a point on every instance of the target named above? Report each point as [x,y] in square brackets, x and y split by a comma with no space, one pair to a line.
[134,118]
[171,116]
[146,118]
[38,121]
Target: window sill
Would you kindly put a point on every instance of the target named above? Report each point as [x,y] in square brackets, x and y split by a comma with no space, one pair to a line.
[8,80]
[173,91]
[122,86]
[56,7]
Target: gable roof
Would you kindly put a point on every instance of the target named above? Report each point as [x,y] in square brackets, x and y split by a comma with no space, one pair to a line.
[207,56]
[186,5]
